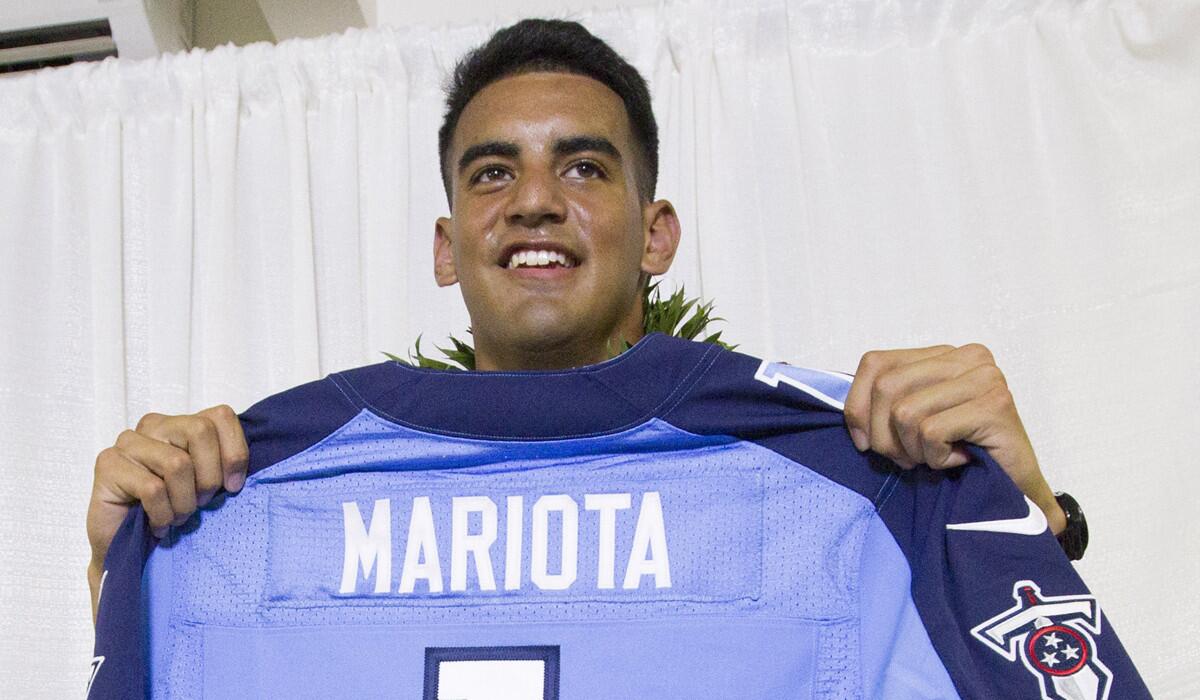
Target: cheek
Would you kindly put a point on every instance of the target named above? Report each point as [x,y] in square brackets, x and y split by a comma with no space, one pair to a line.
[615,228]
[477,235]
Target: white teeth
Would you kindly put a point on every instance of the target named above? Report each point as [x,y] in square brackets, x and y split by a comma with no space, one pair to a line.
[538,258]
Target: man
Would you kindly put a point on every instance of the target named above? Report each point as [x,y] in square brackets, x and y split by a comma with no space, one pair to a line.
[549,157]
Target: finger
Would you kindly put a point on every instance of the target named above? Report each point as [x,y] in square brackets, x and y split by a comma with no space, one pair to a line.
[197,437]
[972,421]
[919,403]
[173,465]
[891,387]
[119,483]
[235,454]
[873,364]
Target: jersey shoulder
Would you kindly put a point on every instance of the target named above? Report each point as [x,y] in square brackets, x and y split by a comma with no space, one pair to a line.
[793,410]
[291,421]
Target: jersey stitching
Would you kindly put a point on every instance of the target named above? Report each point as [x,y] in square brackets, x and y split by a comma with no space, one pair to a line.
[674,398]
[332,434]
[886,490]
[338,380]
[686,386]
[598,367]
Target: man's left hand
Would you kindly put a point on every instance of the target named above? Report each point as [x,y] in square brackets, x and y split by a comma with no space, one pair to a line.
[917,406]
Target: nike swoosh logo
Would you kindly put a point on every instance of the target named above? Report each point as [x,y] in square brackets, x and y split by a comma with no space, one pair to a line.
[1034,523]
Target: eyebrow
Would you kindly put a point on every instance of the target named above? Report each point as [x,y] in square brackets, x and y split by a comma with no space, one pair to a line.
[504,149]
[579,144]
[562,147]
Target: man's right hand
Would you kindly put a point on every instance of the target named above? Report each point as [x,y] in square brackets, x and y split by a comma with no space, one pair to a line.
[172,465]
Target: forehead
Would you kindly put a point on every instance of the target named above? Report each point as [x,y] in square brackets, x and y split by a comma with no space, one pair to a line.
[532,109]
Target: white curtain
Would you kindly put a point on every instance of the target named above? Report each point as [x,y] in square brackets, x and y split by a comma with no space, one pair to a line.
[216,226]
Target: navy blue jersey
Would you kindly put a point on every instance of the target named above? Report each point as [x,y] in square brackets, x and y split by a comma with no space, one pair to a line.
[678,522]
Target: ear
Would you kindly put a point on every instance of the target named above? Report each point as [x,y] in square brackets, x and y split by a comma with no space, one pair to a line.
[443,254]
[661,236]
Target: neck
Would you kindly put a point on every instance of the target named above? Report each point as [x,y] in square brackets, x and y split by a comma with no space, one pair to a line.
[571,352]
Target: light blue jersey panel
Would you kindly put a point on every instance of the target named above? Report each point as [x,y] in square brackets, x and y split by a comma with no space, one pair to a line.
[386,562]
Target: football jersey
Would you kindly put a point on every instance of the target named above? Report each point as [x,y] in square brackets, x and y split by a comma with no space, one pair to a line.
[680,521]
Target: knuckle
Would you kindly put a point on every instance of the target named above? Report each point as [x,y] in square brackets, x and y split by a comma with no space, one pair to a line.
[905,415]
[888,384]
[107,456]
[994,375]
[178,464]
[154,492]
[198,427]
[978,352]
[929,431]
[148,421]
[127,436]
[869,362]
[1001,397]
[223,412]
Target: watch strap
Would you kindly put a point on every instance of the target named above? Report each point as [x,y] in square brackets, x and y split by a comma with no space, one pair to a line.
[1074,537]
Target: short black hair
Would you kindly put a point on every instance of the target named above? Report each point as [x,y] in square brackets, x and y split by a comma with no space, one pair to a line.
[555,46]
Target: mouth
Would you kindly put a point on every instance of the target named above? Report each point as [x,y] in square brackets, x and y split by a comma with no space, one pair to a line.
[538,256]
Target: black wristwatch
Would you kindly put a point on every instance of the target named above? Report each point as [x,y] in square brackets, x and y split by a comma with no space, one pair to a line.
[1074,537]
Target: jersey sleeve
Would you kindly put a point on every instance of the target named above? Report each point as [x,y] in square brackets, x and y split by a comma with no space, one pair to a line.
[275,428]
[963,590]
[118,661]
[1002,604]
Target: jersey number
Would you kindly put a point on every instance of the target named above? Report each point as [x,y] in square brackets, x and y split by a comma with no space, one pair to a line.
[830,388]
[491,673]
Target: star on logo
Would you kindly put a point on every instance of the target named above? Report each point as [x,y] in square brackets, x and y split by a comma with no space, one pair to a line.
[1050,659]
[1052,640]
[1070,652]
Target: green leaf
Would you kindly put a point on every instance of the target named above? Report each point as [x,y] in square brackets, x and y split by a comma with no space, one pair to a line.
[669,316]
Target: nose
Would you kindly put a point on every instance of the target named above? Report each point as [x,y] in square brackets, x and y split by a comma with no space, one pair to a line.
[537,198]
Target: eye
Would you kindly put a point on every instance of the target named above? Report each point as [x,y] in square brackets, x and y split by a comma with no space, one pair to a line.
[586,169]
[490,173]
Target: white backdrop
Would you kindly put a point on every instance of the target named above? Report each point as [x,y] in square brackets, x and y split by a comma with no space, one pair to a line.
[213,227]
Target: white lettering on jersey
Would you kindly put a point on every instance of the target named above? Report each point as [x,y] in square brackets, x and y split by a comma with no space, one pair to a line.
[478,545]
[421,551]
[608,504]
[474,526]
[514,520]
[539,549]
[648,556]
[367,547]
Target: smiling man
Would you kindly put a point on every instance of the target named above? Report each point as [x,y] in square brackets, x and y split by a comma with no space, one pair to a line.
[672,521]
[554,232]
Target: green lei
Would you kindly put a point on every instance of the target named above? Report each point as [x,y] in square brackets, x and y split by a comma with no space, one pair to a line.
[669,316]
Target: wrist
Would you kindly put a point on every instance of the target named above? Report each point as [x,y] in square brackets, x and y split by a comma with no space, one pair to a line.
[1056,517]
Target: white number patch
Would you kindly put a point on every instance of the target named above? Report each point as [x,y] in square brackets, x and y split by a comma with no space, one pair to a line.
[491,673]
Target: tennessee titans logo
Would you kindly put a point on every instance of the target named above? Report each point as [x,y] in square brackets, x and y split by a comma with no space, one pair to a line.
[1053,637]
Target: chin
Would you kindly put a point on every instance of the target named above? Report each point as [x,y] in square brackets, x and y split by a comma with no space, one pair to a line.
[546,335]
